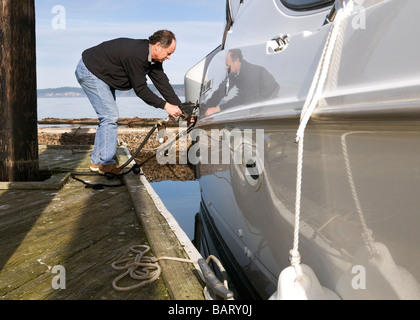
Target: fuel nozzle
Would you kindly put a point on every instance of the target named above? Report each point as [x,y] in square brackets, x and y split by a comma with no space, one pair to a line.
[189,111]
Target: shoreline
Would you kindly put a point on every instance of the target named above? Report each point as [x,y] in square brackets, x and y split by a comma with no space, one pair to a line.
[126,121]
[131,137]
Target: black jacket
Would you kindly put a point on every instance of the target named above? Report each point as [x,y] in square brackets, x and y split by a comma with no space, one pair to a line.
[123,64]
[254,83]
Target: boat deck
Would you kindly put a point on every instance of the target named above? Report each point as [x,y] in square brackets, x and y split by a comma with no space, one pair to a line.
[59,239]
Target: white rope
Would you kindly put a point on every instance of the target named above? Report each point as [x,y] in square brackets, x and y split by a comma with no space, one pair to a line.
[367,233]
[308,108]
[146,269]
[221,268]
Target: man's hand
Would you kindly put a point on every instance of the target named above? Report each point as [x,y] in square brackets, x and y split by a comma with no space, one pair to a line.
[172,110]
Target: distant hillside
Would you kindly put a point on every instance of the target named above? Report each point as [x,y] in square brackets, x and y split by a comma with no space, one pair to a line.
[74,92]
[60,92]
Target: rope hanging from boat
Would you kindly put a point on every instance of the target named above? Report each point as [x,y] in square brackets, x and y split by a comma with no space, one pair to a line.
[308,108]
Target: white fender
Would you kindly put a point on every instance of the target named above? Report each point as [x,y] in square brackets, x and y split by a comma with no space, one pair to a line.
[306,288]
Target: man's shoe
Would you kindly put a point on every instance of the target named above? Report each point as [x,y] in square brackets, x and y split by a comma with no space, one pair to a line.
[112,168]
[94,167]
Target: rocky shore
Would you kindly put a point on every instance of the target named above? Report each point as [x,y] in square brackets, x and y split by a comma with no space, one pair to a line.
[129,137]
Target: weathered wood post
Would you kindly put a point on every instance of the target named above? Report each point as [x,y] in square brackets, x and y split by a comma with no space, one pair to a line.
[18,96]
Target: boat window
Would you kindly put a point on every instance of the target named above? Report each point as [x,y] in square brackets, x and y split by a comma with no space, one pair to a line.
[306,4]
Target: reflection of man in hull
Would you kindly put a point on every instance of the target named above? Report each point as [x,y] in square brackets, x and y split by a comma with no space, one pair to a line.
[254,83]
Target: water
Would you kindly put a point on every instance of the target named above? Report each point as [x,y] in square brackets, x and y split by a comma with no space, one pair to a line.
[181,198]
[74,108]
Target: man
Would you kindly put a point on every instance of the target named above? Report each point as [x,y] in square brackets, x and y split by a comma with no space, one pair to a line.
[122,64]
[254,83]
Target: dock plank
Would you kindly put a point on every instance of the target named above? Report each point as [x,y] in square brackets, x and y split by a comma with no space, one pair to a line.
[84,230]
[83,238]
[165,243]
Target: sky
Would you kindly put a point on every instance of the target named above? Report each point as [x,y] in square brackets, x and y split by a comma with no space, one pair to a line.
[64,28]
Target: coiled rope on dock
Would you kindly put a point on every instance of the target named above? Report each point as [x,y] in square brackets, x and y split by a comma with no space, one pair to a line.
[145,269]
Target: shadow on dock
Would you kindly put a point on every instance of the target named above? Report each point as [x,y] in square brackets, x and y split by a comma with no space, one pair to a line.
[60,223]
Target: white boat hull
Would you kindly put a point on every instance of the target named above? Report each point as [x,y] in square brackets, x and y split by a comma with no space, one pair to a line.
[360,186]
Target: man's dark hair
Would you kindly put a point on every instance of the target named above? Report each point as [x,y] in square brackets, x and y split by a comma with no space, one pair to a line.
[165,37]
[236,54]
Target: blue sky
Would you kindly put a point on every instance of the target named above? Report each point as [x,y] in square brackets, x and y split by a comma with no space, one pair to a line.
[197,24]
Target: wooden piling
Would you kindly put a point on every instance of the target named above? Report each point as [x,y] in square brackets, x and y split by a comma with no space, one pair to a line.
[18,95]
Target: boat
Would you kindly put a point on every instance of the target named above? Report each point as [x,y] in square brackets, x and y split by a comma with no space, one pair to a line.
[318,194]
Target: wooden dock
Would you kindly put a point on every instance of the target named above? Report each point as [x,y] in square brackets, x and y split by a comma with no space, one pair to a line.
[59,239]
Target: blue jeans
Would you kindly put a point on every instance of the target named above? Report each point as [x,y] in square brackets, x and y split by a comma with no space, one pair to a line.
[102,98]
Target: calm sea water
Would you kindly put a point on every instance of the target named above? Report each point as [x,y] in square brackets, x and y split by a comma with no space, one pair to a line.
[74,108]
[181,198]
